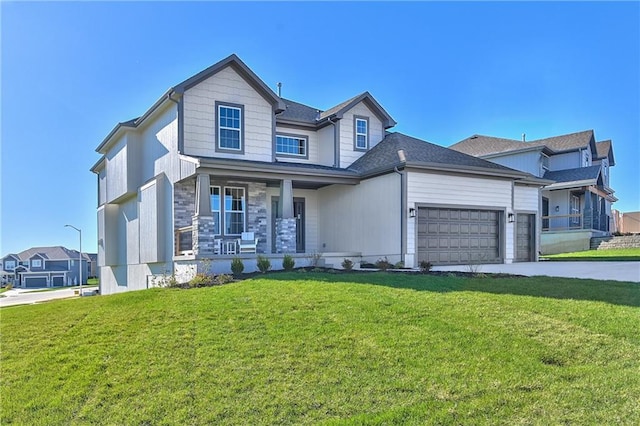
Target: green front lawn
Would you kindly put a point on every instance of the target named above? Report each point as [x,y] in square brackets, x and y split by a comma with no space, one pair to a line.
[304,348]
[630,254]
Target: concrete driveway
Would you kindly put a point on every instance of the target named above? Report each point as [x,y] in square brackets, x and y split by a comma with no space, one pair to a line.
[22,296]
[615,271]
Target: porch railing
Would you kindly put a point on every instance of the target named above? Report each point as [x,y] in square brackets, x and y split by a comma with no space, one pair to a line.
[562,222]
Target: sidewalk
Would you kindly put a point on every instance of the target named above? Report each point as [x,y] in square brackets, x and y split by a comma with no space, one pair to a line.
[614,271]
[27,296]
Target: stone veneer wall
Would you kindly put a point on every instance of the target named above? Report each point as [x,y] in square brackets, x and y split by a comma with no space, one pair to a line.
[202,235]
[184,203]
[286,235]
[625,241]
[257,213]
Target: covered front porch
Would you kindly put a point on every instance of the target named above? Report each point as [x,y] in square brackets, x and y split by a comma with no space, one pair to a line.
[227,212]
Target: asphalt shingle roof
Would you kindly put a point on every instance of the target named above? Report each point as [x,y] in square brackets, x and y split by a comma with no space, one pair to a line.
[573,175]
[479,145]
[51,253]
[603,148]
[299,112]
[416,151]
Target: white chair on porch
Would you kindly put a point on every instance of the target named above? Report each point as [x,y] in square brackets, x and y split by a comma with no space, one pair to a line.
[247,243]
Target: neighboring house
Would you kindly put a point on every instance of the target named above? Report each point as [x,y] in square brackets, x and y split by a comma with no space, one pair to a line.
[577,205]
[45,267]
[221,154]
[627,223]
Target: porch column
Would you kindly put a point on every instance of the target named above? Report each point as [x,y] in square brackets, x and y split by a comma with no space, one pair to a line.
[587,214]
[286,225]
[202,221]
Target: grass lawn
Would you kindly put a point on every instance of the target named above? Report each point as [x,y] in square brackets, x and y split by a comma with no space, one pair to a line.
[306,348]
[631,254]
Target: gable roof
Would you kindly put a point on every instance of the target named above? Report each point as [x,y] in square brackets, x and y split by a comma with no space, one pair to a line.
[483,146]
[296,111]
[50,253]
[418,153]
[179,89]
[605,150]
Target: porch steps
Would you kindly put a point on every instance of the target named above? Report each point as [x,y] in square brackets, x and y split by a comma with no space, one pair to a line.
[625,241]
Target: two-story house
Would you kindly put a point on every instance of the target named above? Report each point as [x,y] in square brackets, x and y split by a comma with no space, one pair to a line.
[220,155]
[46,267]
[577,205]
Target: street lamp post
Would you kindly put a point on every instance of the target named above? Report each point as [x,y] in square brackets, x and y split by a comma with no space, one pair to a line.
[79,264]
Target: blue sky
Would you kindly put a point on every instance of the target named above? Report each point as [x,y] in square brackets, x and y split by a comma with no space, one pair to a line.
[444,71]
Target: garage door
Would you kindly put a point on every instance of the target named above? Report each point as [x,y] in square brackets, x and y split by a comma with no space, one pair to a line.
[57,281]
[524,238]
[459,236]
[35,282]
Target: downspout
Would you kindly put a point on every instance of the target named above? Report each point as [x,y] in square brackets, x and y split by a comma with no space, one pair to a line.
[403,216]
[336,146]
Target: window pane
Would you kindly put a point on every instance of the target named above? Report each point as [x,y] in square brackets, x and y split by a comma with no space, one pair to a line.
[361,141]
[229,138]
[234,206]
[291,145]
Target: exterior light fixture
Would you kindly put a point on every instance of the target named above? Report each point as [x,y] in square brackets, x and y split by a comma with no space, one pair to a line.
[412,212]
[511,217]
[557,209]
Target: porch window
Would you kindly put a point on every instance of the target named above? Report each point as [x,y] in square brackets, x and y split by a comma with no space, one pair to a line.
[234,207]
[229,210]
[215,209]
[229,120]
[361,133]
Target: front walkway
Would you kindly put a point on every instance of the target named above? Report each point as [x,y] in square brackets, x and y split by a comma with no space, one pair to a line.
[615,271]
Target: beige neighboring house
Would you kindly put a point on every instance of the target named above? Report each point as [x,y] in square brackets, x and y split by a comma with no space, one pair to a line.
[220,158]
[628,223]
[576,205]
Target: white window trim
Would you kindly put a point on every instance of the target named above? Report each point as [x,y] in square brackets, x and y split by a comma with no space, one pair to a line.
[223,210]
[219,211]
[36,263]
[365,134]
[289,154]
[10,265]
[243,211]
[221,127]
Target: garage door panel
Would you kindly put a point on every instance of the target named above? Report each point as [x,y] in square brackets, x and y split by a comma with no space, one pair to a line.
[458,236]
[35,282]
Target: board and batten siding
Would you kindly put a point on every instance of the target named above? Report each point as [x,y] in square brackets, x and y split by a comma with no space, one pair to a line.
[460,191]
[312,145]
[326,146]
[200,117]
[362,218]
[376,133]
[159,146]
[121,169]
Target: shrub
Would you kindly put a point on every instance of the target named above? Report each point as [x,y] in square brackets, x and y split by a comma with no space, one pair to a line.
[314,259]
[425,266]
[237,266]
[201,280]
[399,265]
[8,287]
[288,263]
[347,264]
[383,264]
[263,264]
[225,278]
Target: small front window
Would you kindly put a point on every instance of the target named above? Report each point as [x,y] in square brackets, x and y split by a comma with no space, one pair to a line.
[229,128]
[291,145]
[362,133]
[36,263]
[10,265]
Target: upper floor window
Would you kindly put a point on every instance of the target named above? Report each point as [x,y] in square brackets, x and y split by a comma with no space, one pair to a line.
[230,123]
[290,145]
[587,158]
[36,263]
[361,130]
[10,265]
[545,162]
